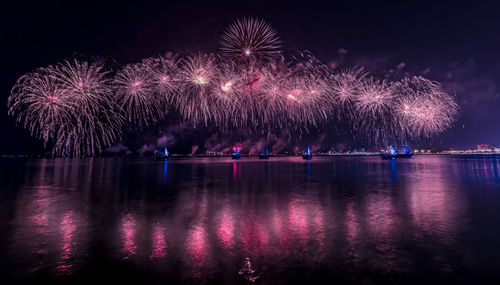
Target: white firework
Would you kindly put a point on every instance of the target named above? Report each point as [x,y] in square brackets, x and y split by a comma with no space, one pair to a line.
[250,39]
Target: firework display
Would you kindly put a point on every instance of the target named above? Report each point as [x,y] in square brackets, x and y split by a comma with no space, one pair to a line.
[79,108]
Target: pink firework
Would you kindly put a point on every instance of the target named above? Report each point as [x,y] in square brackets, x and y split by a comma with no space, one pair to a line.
[198,78]
[97,121]
[306,100]
[373,108]
[259,101]
[308,90]
[423,108]
[163,74]
[40,104]
[345,86]
[135,91]
[374,97]
[70,105]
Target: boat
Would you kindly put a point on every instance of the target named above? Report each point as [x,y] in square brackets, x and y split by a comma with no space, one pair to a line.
[393,153]
[236,154]
[307,153]
[264,154]
[162,154]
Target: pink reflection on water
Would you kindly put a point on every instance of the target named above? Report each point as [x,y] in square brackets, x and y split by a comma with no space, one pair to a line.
[352,225]
[380,216]
[35,227]
[254,236]
[40,207]
[298,220]
[129,229]
[67,229]
[318,229]
[197,248]
[431,206]
[381,223]
[264,238]
[236,170]
[280,230]
[436,205]
[159,243]
[225,229]
[41,221]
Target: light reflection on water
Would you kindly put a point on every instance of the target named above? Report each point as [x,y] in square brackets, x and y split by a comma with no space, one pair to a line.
[129,229]
[204,217]
[67,229]
[159,247]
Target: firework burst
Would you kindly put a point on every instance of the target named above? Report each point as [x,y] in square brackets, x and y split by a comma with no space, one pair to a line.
[38,102]
[163,74]
[137,95]
[345,86]
[423,108]
[198,78]
[374,109]
[250,40]
[69,105]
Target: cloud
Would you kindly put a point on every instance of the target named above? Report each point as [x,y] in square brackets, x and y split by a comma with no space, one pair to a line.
[319,143]
[342,51]
[167,140]
[257,146]
[249,145]
[117,148]
[279,145]
[146,148]
[470,86]
[426,71]
[375,62]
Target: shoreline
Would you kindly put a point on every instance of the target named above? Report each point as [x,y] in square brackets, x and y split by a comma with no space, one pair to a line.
[6,156]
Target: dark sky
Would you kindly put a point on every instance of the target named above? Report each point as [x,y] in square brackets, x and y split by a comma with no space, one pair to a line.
[455,43]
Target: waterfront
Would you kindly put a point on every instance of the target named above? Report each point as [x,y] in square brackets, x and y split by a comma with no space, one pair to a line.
[333,219]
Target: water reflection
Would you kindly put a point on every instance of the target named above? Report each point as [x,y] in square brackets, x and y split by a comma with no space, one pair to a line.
[67,230]
[394,173]
[165,170]
[226,229]
[197,248]
[50,233]
[32,236]
[254,235]
[352,229]
[483,168]
[236,169]
[308,169]
[159,244]
[205,221]
[129,229]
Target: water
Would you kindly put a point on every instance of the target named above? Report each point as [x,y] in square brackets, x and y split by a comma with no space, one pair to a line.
[360,220]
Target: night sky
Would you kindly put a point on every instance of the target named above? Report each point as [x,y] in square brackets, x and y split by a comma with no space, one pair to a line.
[457,44]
